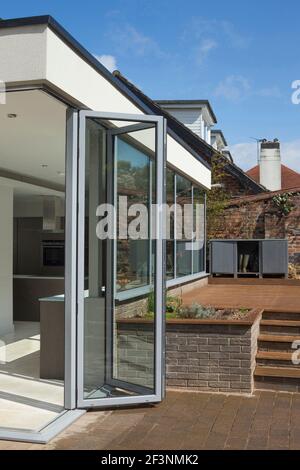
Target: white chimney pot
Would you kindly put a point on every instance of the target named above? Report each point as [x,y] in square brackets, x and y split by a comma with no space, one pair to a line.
[270,165]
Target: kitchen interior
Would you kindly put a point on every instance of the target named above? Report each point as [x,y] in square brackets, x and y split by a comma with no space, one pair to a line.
[32,253]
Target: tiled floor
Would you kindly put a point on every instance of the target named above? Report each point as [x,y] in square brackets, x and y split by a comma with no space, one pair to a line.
[26,401]
[188,420]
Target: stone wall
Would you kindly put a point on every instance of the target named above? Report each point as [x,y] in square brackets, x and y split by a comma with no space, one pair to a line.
[259,217]
[199,355]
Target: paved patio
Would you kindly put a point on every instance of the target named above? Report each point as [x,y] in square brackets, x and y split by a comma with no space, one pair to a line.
[188,420]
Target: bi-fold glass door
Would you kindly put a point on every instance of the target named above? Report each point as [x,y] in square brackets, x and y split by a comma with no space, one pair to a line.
[120,259]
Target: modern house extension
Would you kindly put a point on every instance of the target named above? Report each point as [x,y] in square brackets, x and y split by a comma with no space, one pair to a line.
[73,136]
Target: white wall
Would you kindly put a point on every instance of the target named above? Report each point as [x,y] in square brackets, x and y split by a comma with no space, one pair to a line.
[179,158]
[6,260]
[23,54]
[190,117]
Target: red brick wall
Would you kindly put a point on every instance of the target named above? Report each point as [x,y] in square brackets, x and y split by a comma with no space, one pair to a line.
[234,187]
[263,219]
[232,184]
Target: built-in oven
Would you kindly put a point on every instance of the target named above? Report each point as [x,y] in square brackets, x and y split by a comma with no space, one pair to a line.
[53,253]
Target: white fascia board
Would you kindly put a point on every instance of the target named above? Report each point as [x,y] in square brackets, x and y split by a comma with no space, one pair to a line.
[23,54]
[187,164]
[70,73]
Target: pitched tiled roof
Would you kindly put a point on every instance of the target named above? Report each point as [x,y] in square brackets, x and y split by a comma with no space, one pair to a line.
[289,178]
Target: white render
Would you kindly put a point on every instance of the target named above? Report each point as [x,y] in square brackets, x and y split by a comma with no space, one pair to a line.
[196,117]
[270,168]
[217,140]
[6,256]
[37,54]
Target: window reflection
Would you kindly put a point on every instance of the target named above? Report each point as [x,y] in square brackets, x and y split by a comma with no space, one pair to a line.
[185,244]
[170,199]
[133,181]
[185,228]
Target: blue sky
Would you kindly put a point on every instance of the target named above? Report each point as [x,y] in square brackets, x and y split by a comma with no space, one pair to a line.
[242,56]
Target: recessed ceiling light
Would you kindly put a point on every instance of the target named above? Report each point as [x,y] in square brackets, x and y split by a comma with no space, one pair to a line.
[12,115]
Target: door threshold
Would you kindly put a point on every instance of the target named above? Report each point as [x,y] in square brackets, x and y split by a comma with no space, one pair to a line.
[64,420]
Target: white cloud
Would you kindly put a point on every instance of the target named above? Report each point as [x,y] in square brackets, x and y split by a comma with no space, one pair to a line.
[290,152]
[245,154]
[205,47]
[233,88]
[109,61]
[224,31]
[236,88]
[236,39]
[128,40]
[269,92]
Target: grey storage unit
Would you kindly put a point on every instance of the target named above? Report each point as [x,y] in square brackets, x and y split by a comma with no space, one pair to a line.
[274,255]
[223,257]
[249,257]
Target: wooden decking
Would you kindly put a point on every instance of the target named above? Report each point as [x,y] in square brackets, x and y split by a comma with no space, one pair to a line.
[256,295]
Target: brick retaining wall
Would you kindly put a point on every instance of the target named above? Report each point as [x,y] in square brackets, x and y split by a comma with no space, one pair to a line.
[212,357]
[215,356]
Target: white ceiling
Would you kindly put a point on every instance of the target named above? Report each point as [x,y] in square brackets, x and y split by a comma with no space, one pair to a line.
[36,137]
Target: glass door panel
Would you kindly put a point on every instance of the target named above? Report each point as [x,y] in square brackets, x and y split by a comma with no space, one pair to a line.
[120,272]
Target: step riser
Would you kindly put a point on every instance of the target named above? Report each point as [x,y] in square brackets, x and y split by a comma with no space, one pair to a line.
[275,363]
[280,330]
[277,384]
[280,316]
[275,346]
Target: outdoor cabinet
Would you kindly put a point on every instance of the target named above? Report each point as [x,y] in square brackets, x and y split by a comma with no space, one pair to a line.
[223,257]
[249,257]
[274,257]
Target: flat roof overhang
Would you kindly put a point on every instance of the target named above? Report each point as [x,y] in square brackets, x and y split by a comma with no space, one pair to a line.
[39,51]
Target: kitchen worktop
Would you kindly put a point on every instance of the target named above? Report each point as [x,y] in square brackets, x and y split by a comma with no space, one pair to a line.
[35,276]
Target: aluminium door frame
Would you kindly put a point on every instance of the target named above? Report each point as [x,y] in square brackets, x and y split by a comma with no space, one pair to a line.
[111,263]
[160,123]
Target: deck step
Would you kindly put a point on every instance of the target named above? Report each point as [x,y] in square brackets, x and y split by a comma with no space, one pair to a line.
[278,338]
[274,355]
[281,315]
[281,323]
[284,372]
